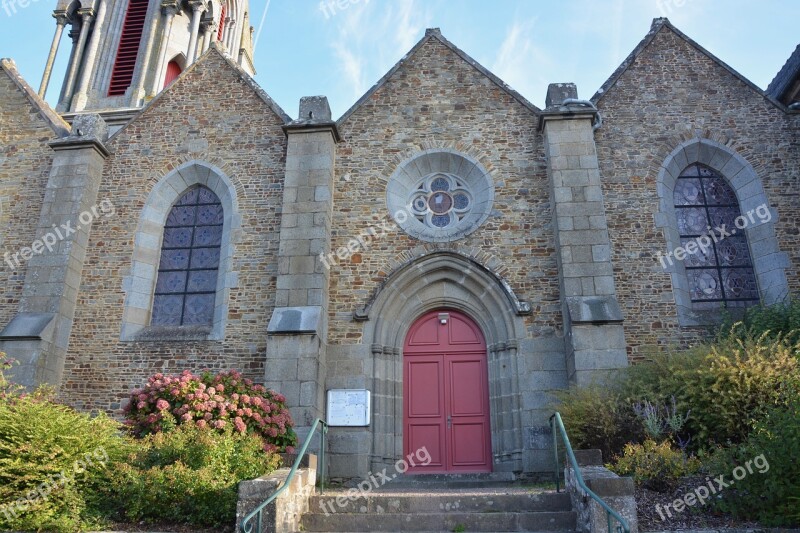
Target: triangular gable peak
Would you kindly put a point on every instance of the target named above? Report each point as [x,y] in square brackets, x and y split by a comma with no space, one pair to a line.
[49,116]
[663,24]
[430,34]
[211,54]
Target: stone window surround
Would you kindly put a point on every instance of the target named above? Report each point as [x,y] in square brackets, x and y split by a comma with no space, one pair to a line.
[448,161]
[769,263]
[139,286]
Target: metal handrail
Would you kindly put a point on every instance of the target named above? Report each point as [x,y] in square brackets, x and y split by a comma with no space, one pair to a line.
[247,527]
[555,421]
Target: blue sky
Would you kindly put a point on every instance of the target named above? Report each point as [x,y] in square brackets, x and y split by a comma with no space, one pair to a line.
[309,47]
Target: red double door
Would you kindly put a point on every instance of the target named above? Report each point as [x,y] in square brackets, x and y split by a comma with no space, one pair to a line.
[446,394]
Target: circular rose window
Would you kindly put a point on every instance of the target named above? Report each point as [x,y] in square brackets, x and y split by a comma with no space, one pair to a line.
[440,195]
[440,201]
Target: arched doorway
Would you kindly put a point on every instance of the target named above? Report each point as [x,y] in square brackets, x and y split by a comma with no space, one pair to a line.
[446,394]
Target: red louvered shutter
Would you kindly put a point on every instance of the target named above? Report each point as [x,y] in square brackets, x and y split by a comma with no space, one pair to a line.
[222,22]
[132,29]
[173,71]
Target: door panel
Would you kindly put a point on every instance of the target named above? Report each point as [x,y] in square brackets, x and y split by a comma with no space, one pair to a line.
[426,376]
[446,394]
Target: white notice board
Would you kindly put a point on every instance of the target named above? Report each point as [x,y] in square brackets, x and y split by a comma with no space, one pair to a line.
[349,407]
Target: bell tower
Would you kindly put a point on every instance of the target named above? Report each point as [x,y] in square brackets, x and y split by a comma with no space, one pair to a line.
[124,52]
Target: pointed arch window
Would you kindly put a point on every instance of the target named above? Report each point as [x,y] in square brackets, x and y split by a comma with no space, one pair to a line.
[720,273]
[173,71]
[186,287]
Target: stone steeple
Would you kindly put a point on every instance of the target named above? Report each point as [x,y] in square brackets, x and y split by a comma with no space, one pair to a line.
[124,52]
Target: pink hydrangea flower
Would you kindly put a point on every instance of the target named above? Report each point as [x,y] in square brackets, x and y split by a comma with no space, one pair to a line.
[240,425]
[201,424]
[162,405]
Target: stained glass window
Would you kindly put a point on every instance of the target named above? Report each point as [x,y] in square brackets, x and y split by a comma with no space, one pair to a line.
[721,271]
[440,201]
[187,273]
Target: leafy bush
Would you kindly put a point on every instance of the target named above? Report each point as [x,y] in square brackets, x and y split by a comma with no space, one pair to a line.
[779,320]
[737,384]
[655,466]
[188,475]
[217,402]
[598,417]
[52,462]
[770,490]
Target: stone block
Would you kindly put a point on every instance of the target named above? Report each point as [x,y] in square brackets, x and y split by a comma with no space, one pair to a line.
[289,320]
[593,309]
[558,92]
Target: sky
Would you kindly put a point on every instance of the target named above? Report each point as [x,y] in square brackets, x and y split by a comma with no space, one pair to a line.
[340,48]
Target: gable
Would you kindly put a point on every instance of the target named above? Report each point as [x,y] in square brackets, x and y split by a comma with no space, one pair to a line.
[450,59]
[16,94]
[215,87]
[676,53]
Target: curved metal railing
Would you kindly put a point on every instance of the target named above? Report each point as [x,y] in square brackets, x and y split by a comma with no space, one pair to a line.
[247,526]
[557,423]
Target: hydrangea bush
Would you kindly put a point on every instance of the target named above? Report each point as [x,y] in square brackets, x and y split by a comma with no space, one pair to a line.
[213,401]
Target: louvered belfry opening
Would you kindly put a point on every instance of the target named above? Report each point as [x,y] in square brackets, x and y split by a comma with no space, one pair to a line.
[128,49]
[221,29]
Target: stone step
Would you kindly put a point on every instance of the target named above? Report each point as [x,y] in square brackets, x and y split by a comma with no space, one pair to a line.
[446,481]
[394,522]
[469,501]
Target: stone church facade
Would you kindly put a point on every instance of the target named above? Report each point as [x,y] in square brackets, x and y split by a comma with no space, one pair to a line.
[445,244]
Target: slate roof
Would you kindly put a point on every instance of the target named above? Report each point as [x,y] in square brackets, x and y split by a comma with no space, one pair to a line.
[786,77]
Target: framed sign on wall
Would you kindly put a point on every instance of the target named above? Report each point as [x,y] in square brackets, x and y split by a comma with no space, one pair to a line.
[349,407]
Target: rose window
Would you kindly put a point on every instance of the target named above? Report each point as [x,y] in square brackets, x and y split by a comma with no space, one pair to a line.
[440,201]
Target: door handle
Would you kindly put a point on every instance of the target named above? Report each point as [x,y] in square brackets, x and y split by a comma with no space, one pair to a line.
[449,421]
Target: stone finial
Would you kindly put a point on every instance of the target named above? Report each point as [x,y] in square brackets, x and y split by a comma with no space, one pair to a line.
[314,108]
[89,126]
[433,31]
[558,92]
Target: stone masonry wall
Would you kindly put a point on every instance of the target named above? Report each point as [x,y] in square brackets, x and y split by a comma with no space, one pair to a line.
[438,100]
[671,93]
[25,162]
[209,115]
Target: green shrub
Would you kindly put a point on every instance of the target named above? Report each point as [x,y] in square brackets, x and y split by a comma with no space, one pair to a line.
[220,401]
[597,417]
[188,475]
[52,462]
[655,466]
[779,320]
[737,384]
[771,492]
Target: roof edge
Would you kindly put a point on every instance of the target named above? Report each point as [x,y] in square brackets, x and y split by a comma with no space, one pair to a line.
[435,33]
[785,76]
[657,25]
[51,118]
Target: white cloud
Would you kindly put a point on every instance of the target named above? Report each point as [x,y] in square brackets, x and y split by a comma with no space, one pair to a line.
[371,36]
[520,62]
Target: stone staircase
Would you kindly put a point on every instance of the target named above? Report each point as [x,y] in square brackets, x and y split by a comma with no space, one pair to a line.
[475,502]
